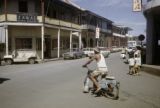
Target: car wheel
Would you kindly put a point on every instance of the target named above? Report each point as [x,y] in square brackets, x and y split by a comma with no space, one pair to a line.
[31,61]
[8,61]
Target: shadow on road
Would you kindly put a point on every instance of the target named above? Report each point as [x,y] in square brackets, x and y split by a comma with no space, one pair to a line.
[3,80]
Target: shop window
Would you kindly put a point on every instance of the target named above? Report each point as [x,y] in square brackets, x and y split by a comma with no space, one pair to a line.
[23,43]
[1,9]
[38,44]
[2,47]
[23,6]
[54,44]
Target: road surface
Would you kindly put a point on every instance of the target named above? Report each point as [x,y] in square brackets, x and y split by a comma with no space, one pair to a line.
[59,84]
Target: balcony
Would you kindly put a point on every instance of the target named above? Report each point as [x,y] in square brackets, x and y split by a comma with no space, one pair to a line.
[34,19]
[91,27]
[149,0]
[21,17]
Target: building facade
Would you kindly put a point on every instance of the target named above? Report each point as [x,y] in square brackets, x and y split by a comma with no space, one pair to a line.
[89,22]
[52,27]
[119,38]
[42,25]
[152,14]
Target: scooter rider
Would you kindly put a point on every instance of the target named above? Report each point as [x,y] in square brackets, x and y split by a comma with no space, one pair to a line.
[101,67]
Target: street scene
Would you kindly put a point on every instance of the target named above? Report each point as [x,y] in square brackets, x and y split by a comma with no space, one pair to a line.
[79,53]
[59,84]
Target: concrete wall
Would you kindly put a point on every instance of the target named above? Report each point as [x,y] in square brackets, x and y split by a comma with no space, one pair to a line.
[152,4]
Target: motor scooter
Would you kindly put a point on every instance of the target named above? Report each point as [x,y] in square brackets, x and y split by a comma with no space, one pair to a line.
[105,83]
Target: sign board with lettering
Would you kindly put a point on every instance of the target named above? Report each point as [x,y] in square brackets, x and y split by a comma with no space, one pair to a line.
[97,32]
[137,5]
[23,17]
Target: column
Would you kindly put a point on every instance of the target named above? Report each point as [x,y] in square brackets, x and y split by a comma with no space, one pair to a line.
[58,53]
[80,40]
[6,33]
[150,43]
[70,47]
[42,41]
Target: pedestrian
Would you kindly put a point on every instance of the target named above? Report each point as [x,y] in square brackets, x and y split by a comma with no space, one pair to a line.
[137,65]
[131,62]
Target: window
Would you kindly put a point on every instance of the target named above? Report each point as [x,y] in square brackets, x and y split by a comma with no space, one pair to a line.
[2,47]
[23,43]
[1,8]
[54,44]
[38,44]
[23,6]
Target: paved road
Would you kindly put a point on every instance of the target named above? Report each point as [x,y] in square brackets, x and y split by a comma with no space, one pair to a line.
[58,84]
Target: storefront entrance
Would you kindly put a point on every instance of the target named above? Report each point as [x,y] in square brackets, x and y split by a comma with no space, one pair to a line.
[47,47]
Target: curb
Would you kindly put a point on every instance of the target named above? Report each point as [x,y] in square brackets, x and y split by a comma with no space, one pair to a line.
[154,70]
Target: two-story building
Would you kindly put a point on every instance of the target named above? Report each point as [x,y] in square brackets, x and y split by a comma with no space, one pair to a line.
[119,37]
[89,22]
[52,27]
[46,26]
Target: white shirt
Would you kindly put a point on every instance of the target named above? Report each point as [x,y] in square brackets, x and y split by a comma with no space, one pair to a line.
[138,61]
[131,61]
[101,64]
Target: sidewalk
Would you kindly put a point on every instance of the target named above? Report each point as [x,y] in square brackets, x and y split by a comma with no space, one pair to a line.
[151,69]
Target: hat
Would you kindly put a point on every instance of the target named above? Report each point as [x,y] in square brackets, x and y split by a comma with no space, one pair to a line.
[96,50]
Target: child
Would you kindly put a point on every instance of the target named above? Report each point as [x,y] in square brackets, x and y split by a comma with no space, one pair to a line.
[131,61]
[137,64]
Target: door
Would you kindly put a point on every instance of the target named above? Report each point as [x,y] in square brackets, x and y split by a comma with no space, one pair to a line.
[47,47]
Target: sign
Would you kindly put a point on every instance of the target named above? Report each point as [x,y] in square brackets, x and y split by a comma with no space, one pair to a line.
[141,37]
[97,32]
[137,5]
[23,17]
[75,33]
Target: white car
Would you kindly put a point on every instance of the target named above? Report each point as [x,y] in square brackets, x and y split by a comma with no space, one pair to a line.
[21,55]
[88,51]
[104,51]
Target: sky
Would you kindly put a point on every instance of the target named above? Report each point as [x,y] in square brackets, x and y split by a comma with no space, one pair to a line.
[118,11]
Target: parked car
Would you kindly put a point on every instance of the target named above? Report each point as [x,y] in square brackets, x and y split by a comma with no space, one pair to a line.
[21,55]
[104,51]
[131,49]
[88,51]
[73,54]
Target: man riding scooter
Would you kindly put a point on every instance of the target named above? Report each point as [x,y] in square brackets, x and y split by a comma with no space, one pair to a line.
[101,68]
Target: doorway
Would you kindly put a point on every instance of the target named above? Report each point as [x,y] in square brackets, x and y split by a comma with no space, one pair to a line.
[47,47]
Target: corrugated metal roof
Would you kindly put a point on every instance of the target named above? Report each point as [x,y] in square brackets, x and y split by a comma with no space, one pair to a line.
[72,4]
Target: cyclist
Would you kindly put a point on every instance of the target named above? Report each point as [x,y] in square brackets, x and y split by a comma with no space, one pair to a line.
[101,68]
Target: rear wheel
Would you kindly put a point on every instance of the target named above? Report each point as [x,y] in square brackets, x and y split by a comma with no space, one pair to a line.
[8,61]
[31,61]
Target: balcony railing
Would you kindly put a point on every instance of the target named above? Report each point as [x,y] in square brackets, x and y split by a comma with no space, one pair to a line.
[149,0]
[33,18]
[91,27]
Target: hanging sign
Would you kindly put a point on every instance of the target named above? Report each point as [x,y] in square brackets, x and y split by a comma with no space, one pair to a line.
[97,32]
[137,5]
